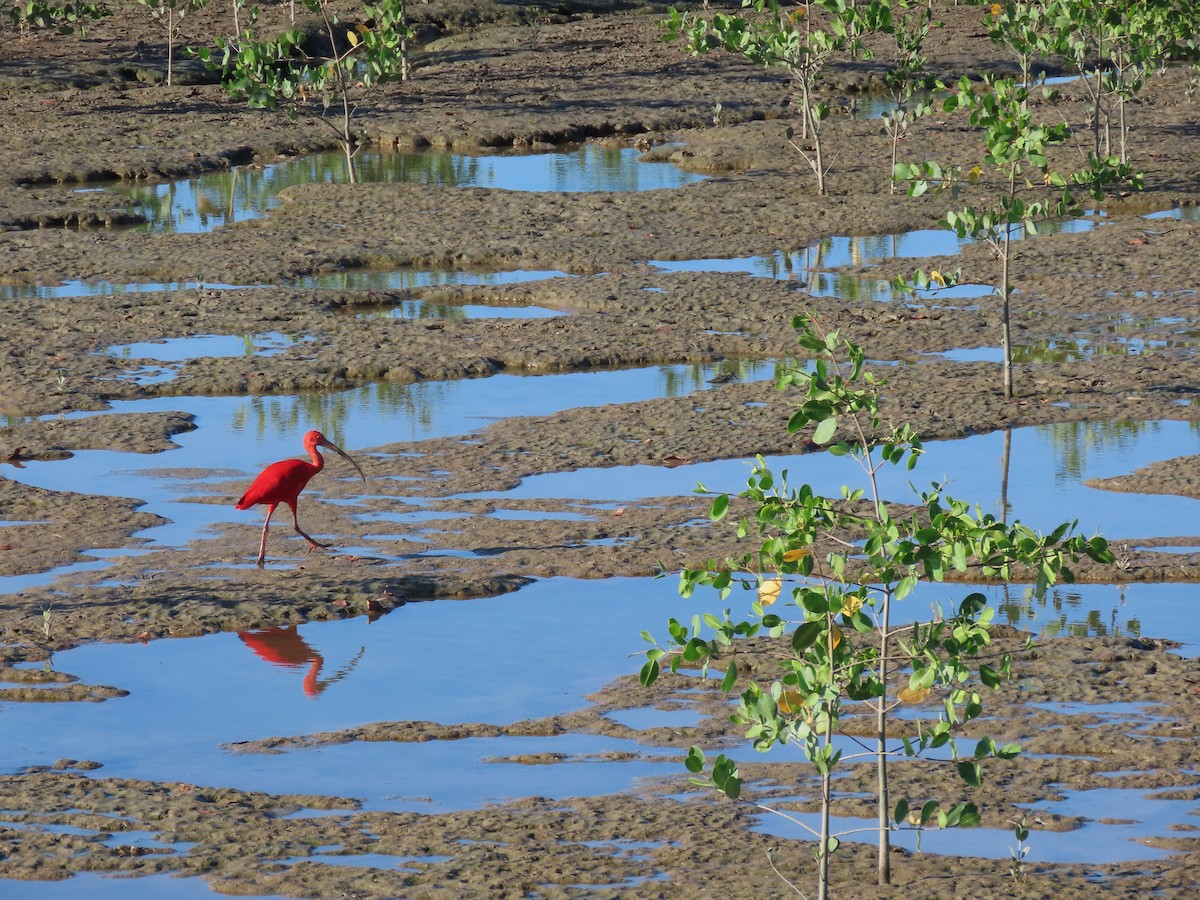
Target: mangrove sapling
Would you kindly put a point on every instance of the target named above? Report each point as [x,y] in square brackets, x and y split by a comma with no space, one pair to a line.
[1114,47]
[788,39]
[1021,850]
[842,564]
[171,12]
[1023,27]
[237,7]
[1015,152]
[74,16]
[909,31]
[281,71]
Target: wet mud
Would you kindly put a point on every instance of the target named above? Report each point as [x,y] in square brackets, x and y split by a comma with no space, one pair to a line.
[1106,322]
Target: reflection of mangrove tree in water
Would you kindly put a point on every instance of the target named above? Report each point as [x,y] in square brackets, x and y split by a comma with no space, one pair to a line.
[205,202]
[1111,341]
[1074,441]
[420,404]
[209,201]
[1005,459]
[202,346]
[417,309]
[1062,612]
[403,279]
[677,381]
[329,412]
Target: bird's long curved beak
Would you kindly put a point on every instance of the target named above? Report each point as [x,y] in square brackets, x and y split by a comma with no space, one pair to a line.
[342,453]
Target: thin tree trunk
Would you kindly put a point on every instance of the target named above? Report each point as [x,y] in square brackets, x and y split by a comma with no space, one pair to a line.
[1121,111]
[170,42]
[885,804]
[811,123]
[1005,325]
[405,67]
[820,162]
[895,141]
[826,800]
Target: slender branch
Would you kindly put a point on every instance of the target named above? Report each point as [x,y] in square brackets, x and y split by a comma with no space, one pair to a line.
[782,878]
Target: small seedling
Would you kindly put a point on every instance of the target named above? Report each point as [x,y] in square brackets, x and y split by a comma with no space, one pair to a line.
[1019,852]
[330,88]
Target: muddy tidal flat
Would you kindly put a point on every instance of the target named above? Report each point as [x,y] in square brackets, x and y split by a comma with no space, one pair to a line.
[556,301]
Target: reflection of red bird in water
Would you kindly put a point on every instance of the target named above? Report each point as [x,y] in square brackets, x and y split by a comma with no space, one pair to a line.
[285,647]
[283,481]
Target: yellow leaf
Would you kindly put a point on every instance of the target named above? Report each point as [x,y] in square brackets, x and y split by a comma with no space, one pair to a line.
[908,695]
[937,278]
[995,9]
[768,591]
[835,637]
[973,175]
[851,605]
[352,37]
[798,553]
[790,702]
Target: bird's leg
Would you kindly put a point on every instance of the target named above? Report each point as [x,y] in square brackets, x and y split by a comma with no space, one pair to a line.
[262,545]
[312,542]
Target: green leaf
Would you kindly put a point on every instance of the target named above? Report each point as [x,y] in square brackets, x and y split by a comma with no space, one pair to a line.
[969,816]
[825,430]
[649,673]
[927,811]
[720,506]
[730,678]
[901,811]
[694,760]
[972,604]
[806,635]
[971,773]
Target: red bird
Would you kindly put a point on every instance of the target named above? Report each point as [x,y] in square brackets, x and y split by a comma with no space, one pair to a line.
[283,481]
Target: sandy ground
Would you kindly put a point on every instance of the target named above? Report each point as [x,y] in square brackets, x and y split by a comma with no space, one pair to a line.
[487,80]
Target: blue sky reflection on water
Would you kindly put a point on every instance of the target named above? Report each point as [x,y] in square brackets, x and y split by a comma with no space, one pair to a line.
[1048,464]
[236,436]
[203,203]
[101,886]
[179,712]
[1093,843]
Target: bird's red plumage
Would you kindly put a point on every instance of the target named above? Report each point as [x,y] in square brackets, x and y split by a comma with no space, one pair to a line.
[280,482]
[283,481]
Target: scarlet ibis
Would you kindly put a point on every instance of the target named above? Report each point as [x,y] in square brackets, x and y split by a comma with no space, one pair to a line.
[285,647]
[282,482]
